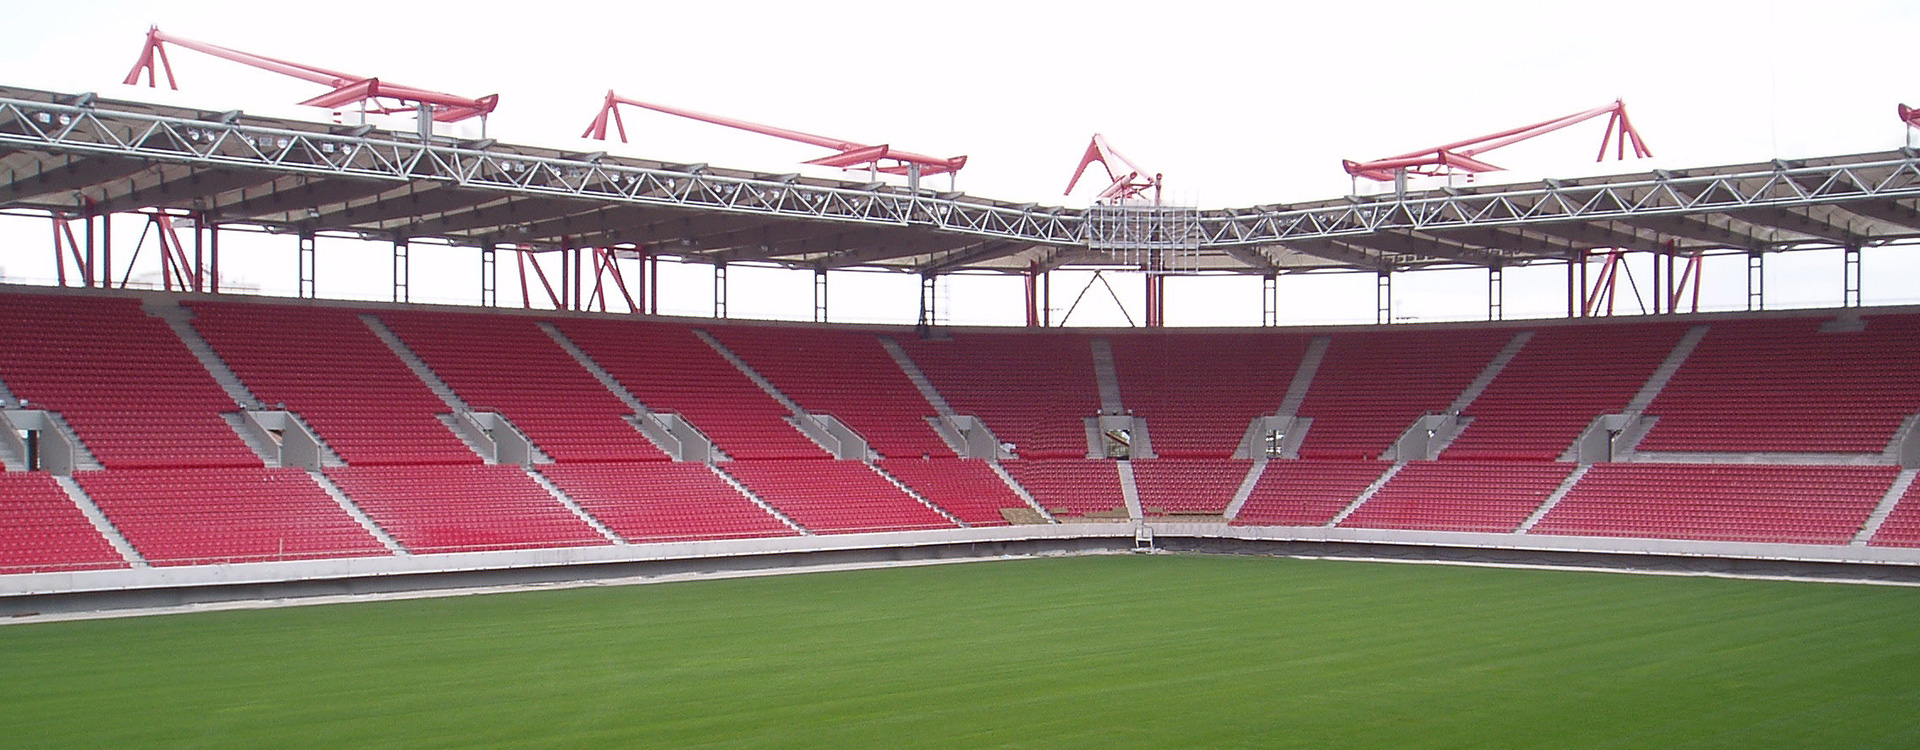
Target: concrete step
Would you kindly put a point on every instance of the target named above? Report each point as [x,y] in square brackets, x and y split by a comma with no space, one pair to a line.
[919,378]
[1664,373]
[1367,494]
[1558,494]
[1130,490]
[1303,376]
[1246,488]
[573,507]
[179,319]
[100,521]
[1027,497]
[895,481]
[756,499]
[359,516]
[1491,371]
[1107,376]
[1892,497]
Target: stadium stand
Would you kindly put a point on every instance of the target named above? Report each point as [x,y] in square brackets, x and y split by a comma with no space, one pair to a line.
[1726,502]
[1902,527]
[1374,384]
[198,516]
[1072,486]
[1563,378]
[508,365]
[670,369]
[1306,492]
[828,496]
[42,530]
[1198,392]
[325,364]
[1772,385]
[968,489]
[1460,496]
[663,502]
[1188,486]
[462,508]
[846,374]
[122,379]
[1033,390]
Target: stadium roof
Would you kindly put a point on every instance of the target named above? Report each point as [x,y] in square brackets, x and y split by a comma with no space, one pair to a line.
[69,153]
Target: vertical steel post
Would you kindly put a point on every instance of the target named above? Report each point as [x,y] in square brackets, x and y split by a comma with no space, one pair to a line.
[720,290]
[402,270]
[1496,293]
[1756,282]
[820,295]
[489,276]
[1269,300]
[1850,277]
[1383,298]
[308,266]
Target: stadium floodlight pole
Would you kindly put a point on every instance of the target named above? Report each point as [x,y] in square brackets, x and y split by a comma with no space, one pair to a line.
[851,156]
[347,88]
[1459,156]
[1128,185]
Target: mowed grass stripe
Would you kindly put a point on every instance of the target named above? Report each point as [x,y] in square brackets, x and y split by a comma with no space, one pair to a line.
[1113,651]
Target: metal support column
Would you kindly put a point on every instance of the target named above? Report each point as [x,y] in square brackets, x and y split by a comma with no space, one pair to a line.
[928,312]
[1756,282]
[1156,300]
[1269,300]
[106,251]
[1033,294]
[402,270]
[653,284]
[213,258]
[307,266]
[199,252]
[1496,294]
[720,290]
[820,295]
[1383,298]
[640,282]
[1850,295]
[489,277]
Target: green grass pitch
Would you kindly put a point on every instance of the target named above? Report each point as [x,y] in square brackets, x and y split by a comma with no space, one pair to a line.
[1110,652]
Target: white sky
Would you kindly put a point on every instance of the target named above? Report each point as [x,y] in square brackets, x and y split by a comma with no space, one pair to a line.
[1236,103]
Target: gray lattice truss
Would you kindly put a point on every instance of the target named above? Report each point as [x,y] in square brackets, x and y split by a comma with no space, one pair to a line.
[72,153]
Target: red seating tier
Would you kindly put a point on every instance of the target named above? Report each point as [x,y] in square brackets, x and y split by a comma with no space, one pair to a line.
[1188,485]
[1727,502]
[325,364]
[226,515]
[968,489]
[846,374]
[42,530]
[1199,391]
[1306,492]
[1034,390]
[670,369]
[1563,378]
[1460,496]
[1902,527]
[122,379]
[1070,486]
[463,508]
[509,365]
[828,496]
[664,502]
[1373,385]
[1773,385]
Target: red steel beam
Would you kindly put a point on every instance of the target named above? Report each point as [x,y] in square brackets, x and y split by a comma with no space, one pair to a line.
[853,155]
[1459,155]
[347,88]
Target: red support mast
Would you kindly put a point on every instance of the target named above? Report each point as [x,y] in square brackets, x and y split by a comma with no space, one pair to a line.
[1461,156]
[384,97]
[852,155]
[1128,185]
